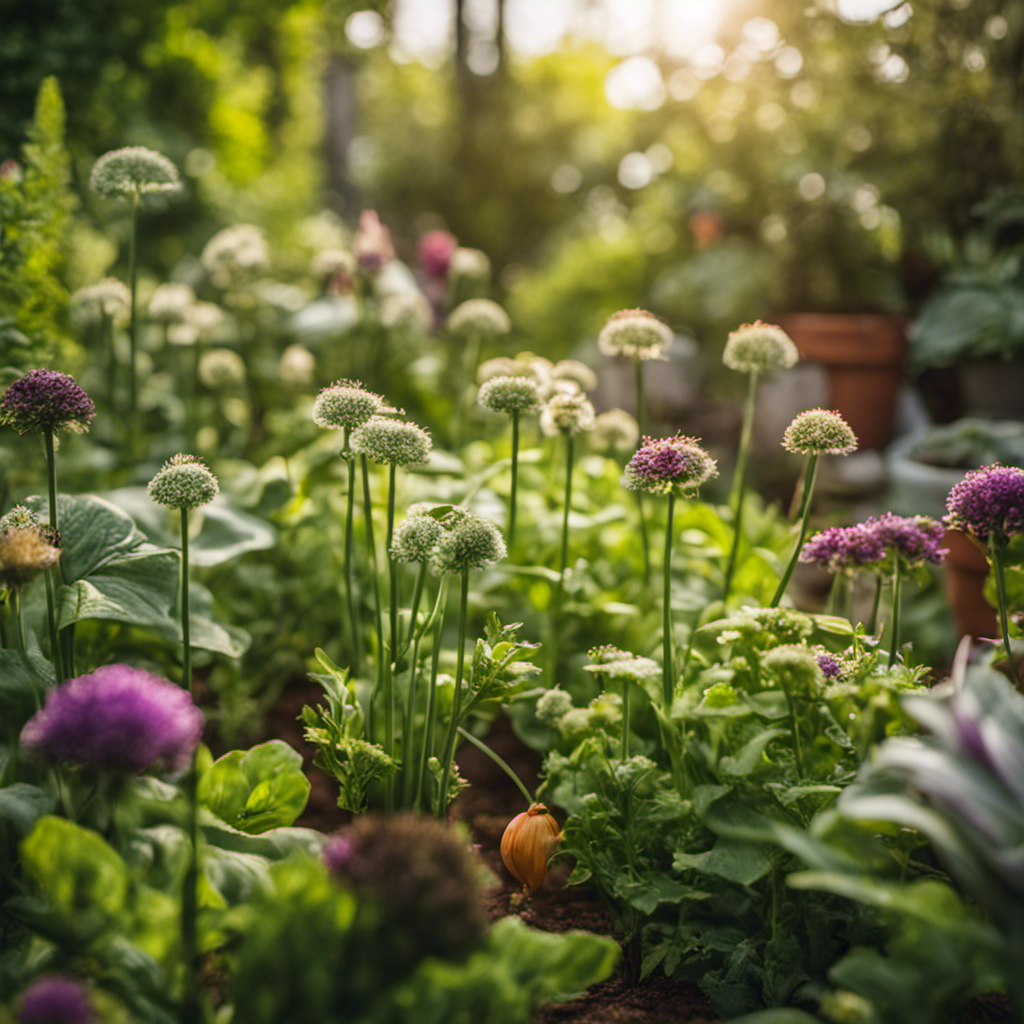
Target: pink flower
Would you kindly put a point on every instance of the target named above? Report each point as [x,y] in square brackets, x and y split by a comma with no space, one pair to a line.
[372,244]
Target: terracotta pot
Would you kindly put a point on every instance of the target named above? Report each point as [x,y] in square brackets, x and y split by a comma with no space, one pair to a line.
[966,570]
[863,356]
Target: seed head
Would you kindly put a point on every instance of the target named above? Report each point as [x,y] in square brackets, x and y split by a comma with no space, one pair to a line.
[395,442]
[566,414]
[221,368]
[415,538]
[45,400]
[183,483]
[573,370]
[297,366]
[132,171]
[27,547]
[118,719]
[55,999]
[510,395]
[234,252]
[635,333]
[481,318]
[472,543]
[758,347]
[663,464]
[346,403]
[109,297]
[614,430]
[988,502]
[819,432]
[171,302]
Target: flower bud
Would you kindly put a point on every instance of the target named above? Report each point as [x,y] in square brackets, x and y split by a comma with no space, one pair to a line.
[758,347]
[394,442]
[509,395]
[819,432]
[346,403]
[183,483]
[636,334]
[527,844]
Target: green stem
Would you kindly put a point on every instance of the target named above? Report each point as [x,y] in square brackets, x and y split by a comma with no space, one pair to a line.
[810,472]
[378,617]
[875,604]
[668,680]
[190,891]
[449,744]
[353,615]
[408,726]
[997,551]
[625,718]
[638,375]
[739,482]
[19,625]
[499,761]
[133,328]
[569,459]
[515,475]
[52,575]
[428,730]
[389,673]
[110,354]
[645,544]
[190,388]
[797,745]
[51,476]
[897,581]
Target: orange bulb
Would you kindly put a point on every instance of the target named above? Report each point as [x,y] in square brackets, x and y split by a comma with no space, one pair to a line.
[527,843]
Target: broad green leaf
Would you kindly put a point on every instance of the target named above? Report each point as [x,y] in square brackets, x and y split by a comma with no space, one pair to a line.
[732,859]
[778,1015]
[751,755]
[21,806]
[645,895]
[22,682]
[77,872]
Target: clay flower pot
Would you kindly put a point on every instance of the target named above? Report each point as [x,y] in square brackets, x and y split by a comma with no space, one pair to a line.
[966,570]
[863,356]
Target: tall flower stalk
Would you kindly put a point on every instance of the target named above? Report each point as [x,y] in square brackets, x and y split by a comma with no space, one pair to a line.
[673,467]
[988,505]
[813,433]
[752,349]
[45,402]
[514,397]
[184,484]
[128,174]
[640,336]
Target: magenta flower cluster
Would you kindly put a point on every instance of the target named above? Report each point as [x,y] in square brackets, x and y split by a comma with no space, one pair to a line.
[45,400]
[829,665]
[55,999]
[913,539]
[988,502]
[663,463]
[117,719]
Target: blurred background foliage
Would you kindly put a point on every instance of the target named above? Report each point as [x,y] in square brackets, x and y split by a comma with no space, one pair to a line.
[805,157]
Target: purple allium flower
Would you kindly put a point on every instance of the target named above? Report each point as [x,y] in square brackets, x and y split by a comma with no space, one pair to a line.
[988,501]
[829,665]
[844,548]
[663,463]
[45,400]
[372,243]
[55,999]
[337,852]
[118,718]
[436,249]
[915,539]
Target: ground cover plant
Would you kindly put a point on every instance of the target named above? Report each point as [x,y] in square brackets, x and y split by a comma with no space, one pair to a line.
[407,505]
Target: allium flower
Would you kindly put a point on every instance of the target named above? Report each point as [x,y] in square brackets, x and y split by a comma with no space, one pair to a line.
[346,403]
[662,464]
[623,665]
[27,547]
[500,366]
[614,430]
[796,667]
[566,414]
[45,400]
[109,297]
[831,667]
[914,539]
[510,395]
[396,442]
[469,265]
[132,171]
[819,432]
[844,548]
[552,705]
[415,538]
[635,333]
[204,316]
[408,311]
[478,318]
[221,368]
[372,244]
[239,249]
[758,347]
[579,373]
[297,366]
[183,483]
[171,302]
[988,502]
[119,719]
[332,262]
[435,253]
[55,999]
[473,543]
